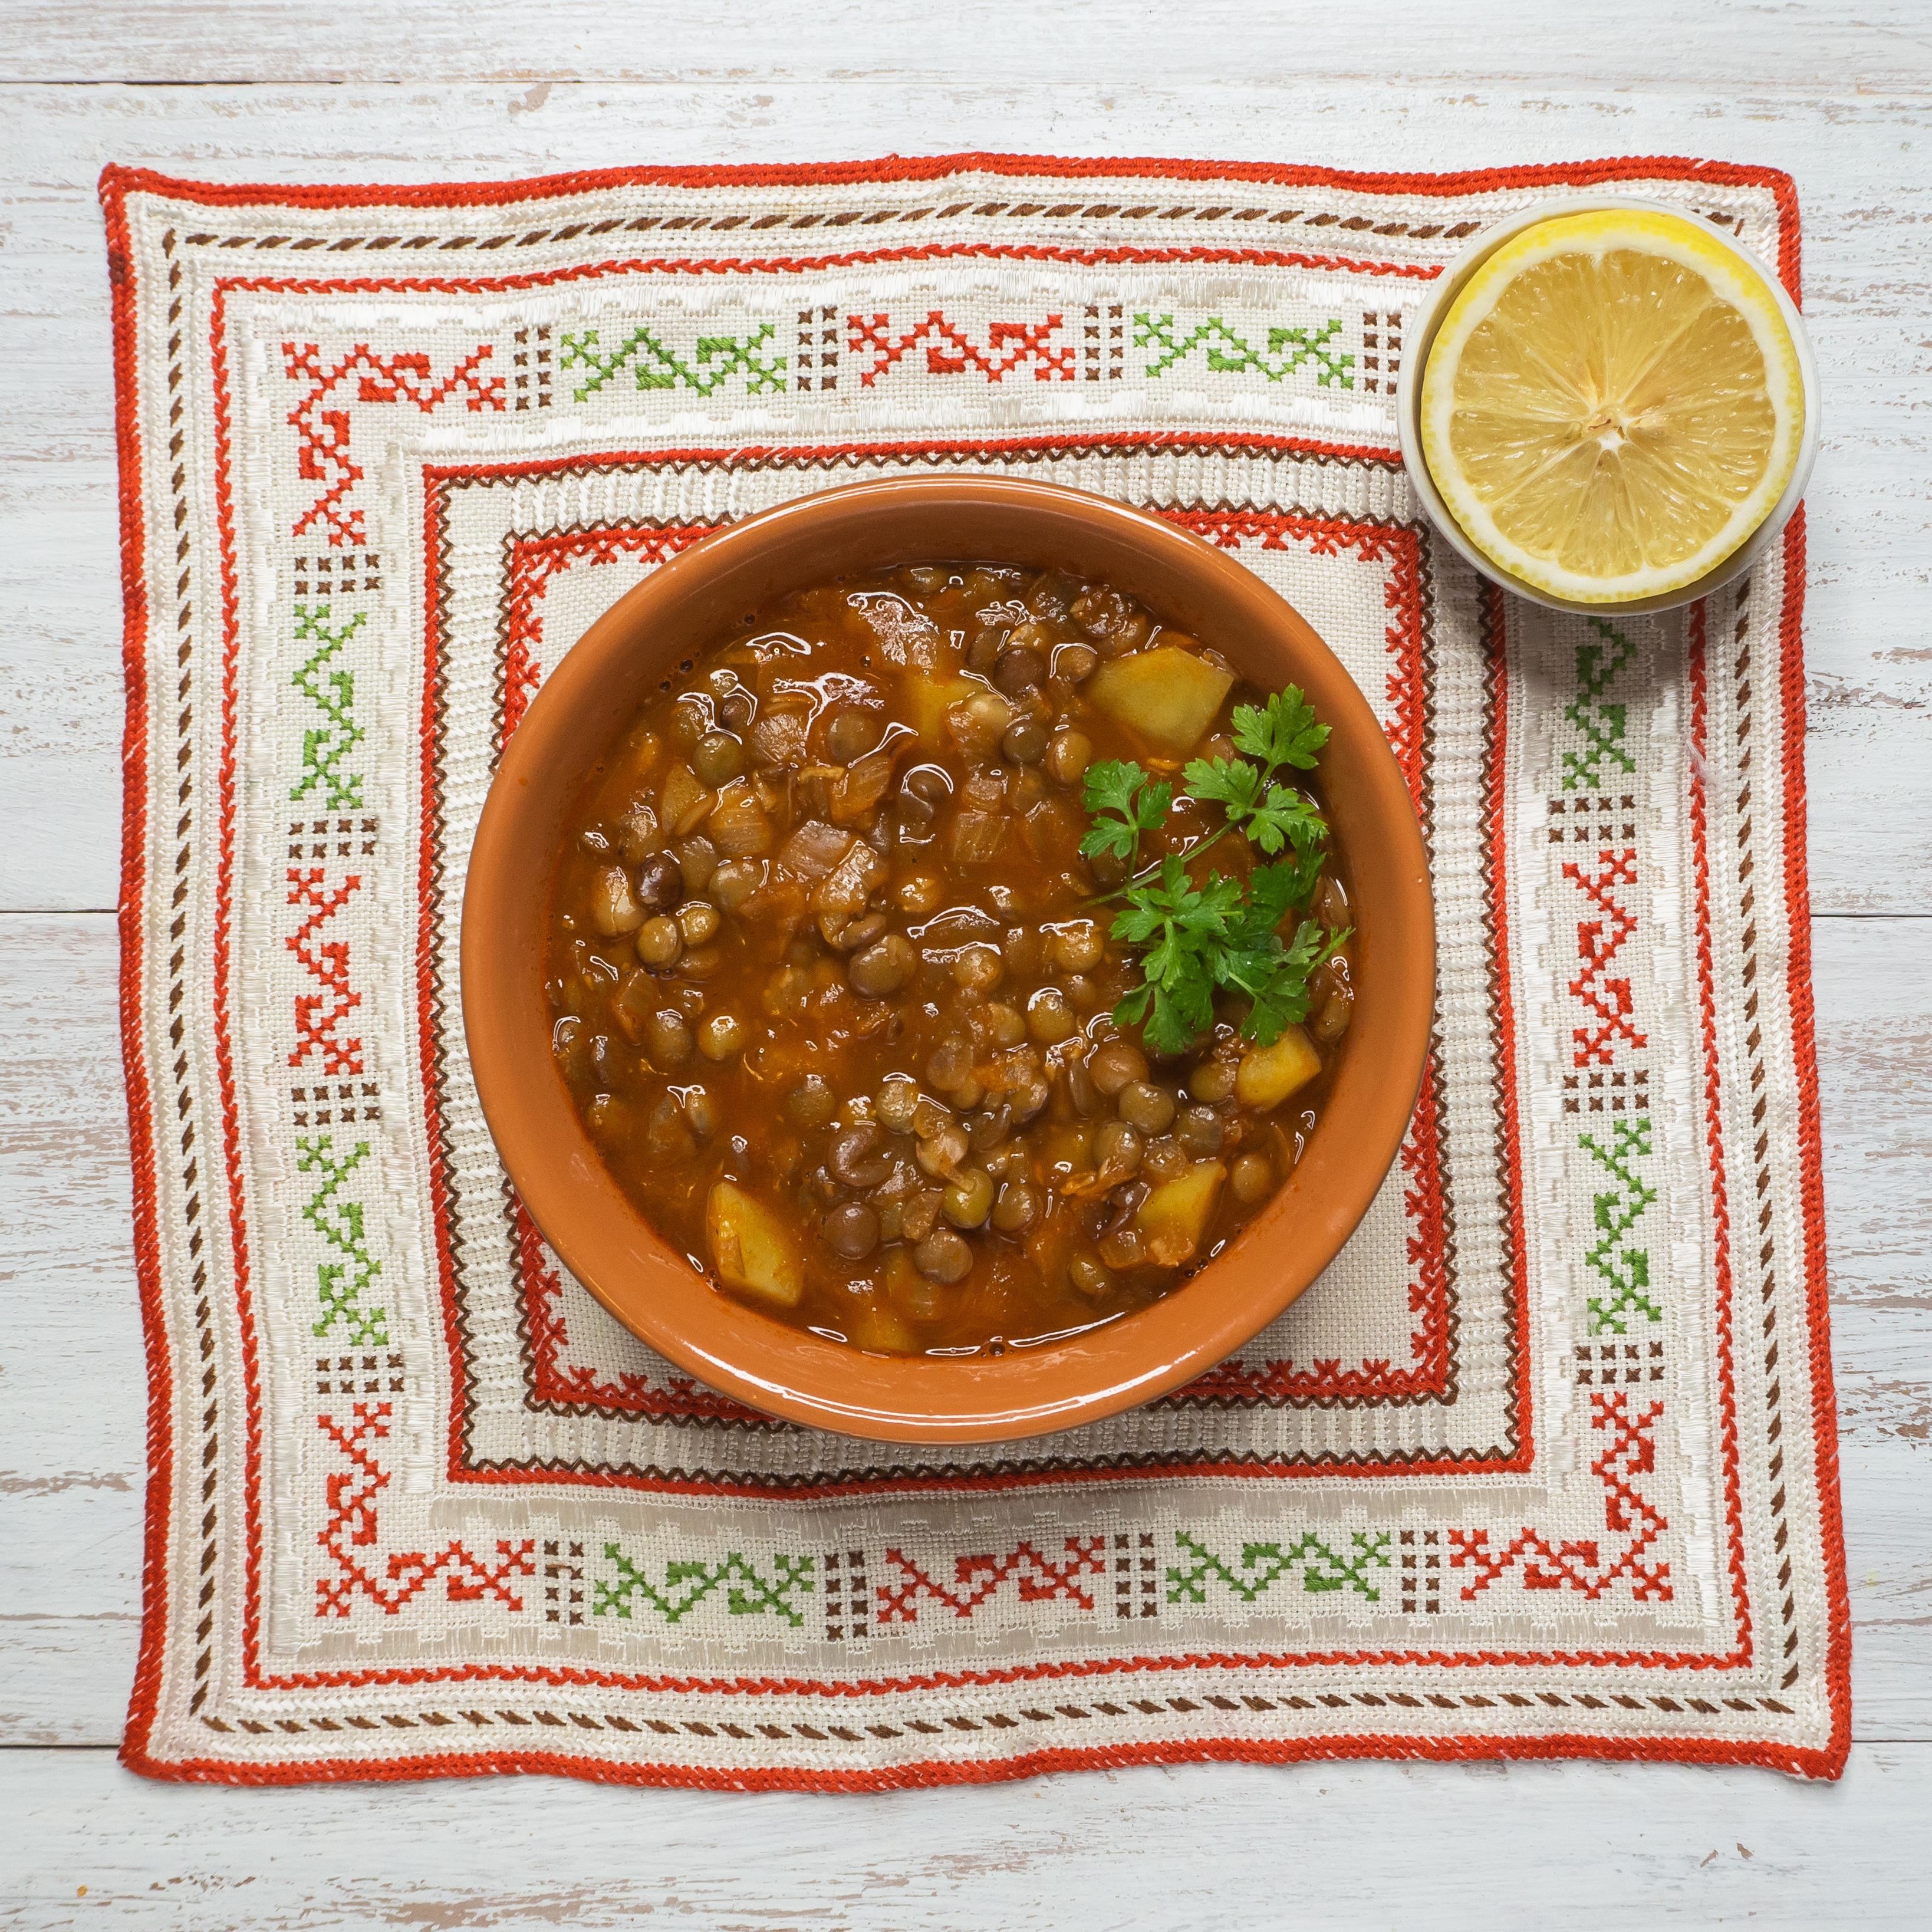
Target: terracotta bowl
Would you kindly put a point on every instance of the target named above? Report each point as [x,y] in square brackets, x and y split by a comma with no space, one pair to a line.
[689,604]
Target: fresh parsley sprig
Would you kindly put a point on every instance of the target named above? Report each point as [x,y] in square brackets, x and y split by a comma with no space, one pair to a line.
[1282,732]
[1198,939]
[1273,816]
[1184,927]
[1126,802]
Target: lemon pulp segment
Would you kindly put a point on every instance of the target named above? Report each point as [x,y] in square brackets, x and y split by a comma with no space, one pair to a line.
[1612,404]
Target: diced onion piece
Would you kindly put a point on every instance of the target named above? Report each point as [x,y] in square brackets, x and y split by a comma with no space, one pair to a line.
[780,738]
[979,822]
[1169,697]
[739,827]
[683,802]
[750,1248]
[907,636]
[976,838]
[1174,1217]
[864,784]
[850,884]
[1268,1074]
[814,849]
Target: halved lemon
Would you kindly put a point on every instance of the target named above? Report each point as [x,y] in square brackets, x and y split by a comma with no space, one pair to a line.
[1612,404]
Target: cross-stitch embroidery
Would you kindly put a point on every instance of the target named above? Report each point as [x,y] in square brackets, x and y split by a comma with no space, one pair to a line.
[712,361]
[332,692]
[352,1532]
[748,1591]
[1230,353]
[1260,1566]
[374,485]
[340,1284]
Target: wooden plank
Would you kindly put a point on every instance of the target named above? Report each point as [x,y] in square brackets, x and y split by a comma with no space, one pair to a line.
[1870,302]
[70,1494]
[1139,1851]
[1647,43]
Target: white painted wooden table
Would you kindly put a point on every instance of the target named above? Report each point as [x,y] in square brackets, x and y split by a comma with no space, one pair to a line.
[1840,95]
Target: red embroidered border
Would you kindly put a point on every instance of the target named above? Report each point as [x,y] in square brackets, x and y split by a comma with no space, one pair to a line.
[1727,1432]
[428,873]
[116,184]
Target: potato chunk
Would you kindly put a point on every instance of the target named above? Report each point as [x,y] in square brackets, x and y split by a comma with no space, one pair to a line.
[927,701]
[1169,697]
[750,1248]
[1268,1074]
[1174,1217]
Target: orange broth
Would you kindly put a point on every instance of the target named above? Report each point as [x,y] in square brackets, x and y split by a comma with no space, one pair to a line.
[833,992]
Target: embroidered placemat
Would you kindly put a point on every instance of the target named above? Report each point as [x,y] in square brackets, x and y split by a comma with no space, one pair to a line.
[1546,1464]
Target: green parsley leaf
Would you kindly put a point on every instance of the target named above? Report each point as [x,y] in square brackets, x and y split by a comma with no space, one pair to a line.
[1122,789]
[1300,874]
[1280,993]
[1182,927]
[1282,732]
[1272,816]
[1272,891]
[1233,784]
[1283,818]
[1111,785]
[1255,961]
[1196,941]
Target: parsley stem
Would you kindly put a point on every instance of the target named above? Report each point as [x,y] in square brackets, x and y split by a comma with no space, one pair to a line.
[1147,872]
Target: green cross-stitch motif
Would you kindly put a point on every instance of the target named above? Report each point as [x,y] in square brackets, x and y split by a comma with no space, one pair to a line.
[1625,1271]
[1601,724]
[341,1284]
[334,695]
[1229,353]
[686,1585]
[655,366]
[1263,1564]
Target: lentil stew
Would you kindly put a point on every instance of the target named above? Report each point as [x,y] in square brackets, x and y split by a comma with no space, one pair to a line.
[894,981]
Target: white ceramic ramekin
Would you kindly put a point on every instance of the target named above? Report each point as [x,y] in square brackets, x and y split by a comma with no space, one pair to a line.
[1421,336]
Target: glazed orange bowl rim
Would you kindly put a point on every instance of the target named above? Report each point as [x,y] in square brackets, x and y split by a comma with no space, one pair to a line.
[693,602]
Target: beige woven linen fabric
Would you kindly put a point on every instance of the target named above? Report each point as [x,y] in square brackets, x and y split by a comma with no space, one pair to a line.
[1545,1464]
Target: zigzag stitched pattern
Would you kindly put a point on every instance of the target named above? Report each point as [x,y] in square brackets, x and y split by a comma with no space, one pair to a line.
[339,1284]
[1598,942]
[1040,1579]
[686,1585]
[324,747]
[1261,1565]
[713,361]
[353,1527]
[1602,725]
[950,352]
[323,454]
[318,1015]
[1626,1275]
[1229,353]
[1580,1564]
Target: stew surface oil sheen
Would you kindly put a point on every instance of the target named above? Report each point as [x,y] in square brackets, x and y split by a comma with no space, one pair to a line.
[833,992]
